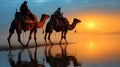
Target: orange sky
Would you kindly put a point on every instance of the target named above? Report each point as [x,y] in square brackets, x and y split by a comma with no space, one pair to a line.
[101,22]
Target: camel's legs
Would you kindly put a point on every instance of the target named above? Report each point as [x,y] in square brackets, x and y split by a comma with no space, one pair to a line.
[11,31]
[9,37]
[19,37]
[30,55]
[49,51]
[30,36]
[45,51]
[45,38]
[35,31]
[19,55]
[61,37]
[64,36]
[49,38]
[11,59]
[35,54]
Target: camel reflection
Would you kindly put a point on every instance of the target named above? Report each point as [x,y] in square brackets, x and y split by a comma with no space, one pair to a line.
[19,63]
[62,60]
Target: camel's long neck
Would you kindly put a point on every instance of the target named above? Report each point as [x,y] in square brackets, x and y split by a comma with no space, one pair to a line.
[72,26]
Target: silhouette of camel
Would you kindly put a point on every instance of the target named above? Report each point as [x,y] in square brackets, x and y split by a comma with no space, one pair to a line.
[20,63]
[59,26]
[62,60]
[20,23]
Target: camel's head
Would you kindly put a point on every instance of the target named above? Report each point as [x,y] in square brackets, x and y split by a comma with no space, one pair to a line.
[77,20]
[44,17]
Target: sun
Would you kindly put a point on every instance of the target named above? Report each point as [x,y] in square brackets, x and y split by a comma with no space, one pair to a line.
[90,24]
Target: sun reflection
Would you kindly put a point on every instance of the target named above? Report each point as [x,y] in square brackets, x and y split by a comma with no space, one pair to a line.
[91,44]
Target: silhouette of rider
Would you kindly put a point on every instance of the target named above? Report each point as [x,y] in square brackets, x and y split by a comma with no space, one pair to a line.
[26,11]
[58,14]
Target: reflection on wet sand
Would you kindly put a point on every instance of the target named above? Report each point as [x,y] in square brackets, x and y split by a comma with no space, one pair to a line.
[20,63]
[61,60]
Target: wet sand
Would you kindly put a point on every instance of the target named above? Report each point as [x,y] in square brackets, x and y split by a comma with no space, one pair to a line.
[6,48]
[100,51]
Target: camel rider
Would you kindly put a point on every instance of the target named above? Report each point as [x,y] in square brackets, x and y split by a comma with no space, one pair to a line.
[58,14]
[25,11]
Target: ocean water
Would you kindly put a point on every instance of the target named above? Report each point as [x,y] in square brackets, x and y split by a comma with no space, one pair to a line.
[88,50]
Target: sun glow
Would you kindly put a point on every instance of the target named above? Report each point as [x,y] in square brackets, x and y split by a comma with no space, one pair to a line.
[91,24]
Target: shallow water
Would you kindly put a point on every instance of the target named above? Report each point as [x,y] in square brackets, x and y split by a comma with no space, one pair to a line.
[90,51]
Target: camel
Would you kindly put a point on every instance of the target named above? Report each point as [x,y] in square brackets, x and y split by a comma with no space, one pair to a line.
[20,24]
[62,59]
[59,26]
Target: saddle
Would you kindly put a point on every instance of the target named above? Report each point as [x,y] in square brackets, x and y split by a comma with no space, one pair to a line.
[61,20]
[25,21]
[24,18]
[28,15]
[28,22]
